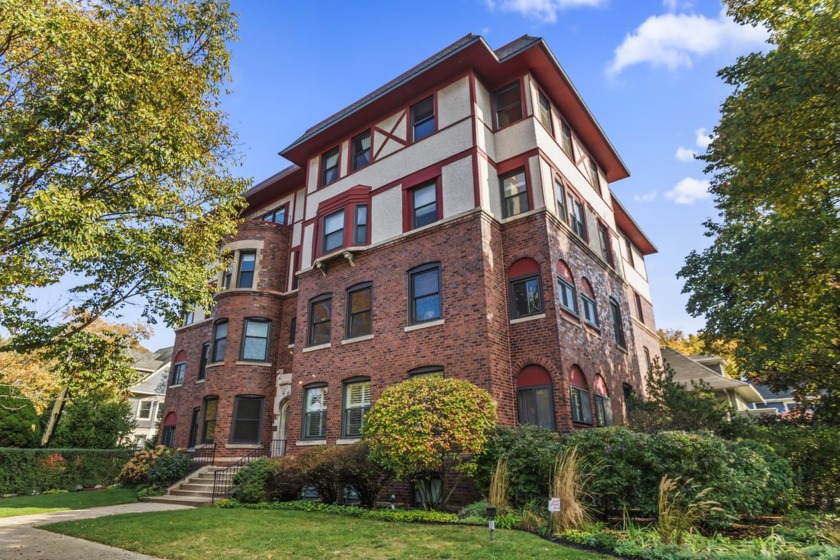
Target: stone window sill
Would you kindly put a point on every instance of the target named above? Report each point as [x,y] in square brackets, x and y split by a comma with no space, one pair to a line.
[319,347]
[175,386]
[423,325]
[257,364]
[357,339]
[526,319]
[243,446]
[305,442]
[346,441]
[214,364]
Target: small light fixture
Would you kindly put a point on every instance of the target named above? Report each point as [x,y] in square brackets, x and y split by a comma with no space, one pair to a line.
[392,499]
[491,520]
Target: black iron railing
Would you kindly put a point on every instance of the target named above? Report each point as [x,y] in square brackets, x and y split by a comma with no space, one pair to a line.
[278,448]
[202,456]
[223,479]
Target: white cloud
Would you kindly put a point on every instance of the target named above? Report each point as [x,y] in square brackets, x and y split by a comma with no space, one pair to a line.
[545,10]
[702,138]
[673,41]
[684,154]
[672,5]
[647,197]
[688,191]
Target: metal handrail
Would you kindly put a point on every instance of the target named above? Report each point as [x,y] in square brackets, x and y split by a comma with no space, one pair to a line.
[203,456]
[223,479]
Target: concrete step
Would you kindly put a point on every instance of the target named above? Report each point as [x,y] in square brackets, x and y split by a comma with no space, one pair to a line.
[180,500]
[193,493]
[196,486]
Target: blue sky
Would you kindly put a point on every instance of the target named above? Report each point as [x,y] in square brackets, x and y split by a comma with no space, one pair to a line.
[646,68]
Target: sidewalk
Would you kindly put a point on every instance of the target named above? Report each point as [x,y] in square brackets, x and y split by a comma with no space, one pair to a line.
[21,540]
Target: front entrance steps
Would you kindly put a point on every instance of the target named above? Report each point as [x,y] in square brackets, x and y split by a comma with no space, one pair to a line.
[195,490]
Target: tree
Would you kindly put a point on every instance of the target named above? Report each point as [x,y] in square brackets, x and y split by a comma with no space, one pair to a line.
[91,423]
[427,427]
[114,159]
[672,406]
[18,419]
[770,281]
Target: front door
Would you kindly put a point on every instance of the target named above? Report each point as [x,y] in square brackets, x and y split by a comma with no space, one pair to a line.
[194,427]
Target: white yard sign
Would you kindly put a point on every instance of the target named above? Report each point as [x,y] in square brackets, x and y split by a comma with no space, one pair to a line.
[554,505]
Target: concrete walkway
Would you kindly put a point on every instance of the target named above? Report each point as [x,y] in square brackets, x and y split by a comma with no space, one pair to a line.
[21,540]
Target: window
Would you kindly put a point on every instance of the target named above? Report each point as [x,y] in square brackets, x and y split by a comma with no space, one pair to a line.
[424,205]
[603,408]
[424,293]
[648,363]
[639,311]
[196,412]
[560,195]
[178,373]
[514,193]
[211,409]
[278,215]
[566,140]
[334,231]
[144,412]
[581,407]
[292,331]
[189,318]
[360,229]
[423,119]
[329,167]
[247,420]
[628,399]
[508,104]
[356,405]
[534,397]
[426,371]
[593,175]
[545,113]
[159,412]
[359,304]
[579,219]
[606,245]
[205,357]
[168,436]
[247,260]
[629,251]
[525,288]
[320,313]
[255,340]
[361,150]
[220,331]
[618,328]
[226,277]
[315,412]
[590,308]
[566,288]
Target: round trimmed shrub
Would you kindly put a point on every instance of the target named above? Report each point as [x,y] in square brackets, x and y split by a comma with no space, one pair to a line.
[169,468]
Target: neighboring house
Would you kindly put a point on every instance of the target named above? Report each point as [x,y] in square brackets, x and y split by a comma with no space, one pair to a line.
[457,221]
[147,396]
[692,370]
[774,403]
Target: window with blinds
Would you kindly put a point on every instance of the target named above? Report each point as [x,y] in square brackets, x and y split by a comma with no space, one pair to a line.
[356,405]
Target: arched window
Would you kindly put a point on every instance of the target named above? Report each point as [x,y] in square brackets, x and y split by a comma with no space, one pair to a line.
[590,308]
[534,397]
[566,288]
[525,288]
[167,436]
[581,407]
[603,408]
[179,365]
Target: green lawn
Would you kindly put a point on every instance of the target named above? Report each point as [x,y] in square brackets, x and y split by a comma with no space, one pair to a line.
[208,533]
[45,503]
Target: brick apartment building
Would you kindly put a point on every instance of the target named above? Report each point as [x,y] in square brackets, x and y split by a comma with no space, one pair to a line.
[457,221]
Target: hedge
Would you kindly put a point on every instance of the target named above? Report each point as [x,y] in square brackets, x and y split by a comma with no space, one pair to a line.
[747,477]
[27,471]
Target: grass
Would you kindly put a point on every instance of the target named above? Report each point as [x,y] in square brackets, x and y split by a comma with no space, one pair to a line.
[46,503]
[209,533]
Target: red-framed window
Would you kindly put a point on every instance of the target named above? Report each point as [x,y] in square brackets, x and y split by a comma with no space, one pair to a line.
[344,221]
[507,105]
[329,167]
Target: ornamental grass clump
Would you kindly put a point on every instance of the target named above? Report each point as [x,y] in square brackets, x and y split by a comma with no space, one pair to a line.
[568,483]
[679,511]
[497,495]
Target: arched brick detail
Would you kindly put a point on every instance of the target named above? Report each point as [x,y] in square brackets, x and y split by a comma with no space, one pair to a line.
[549,366]
[514,256]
